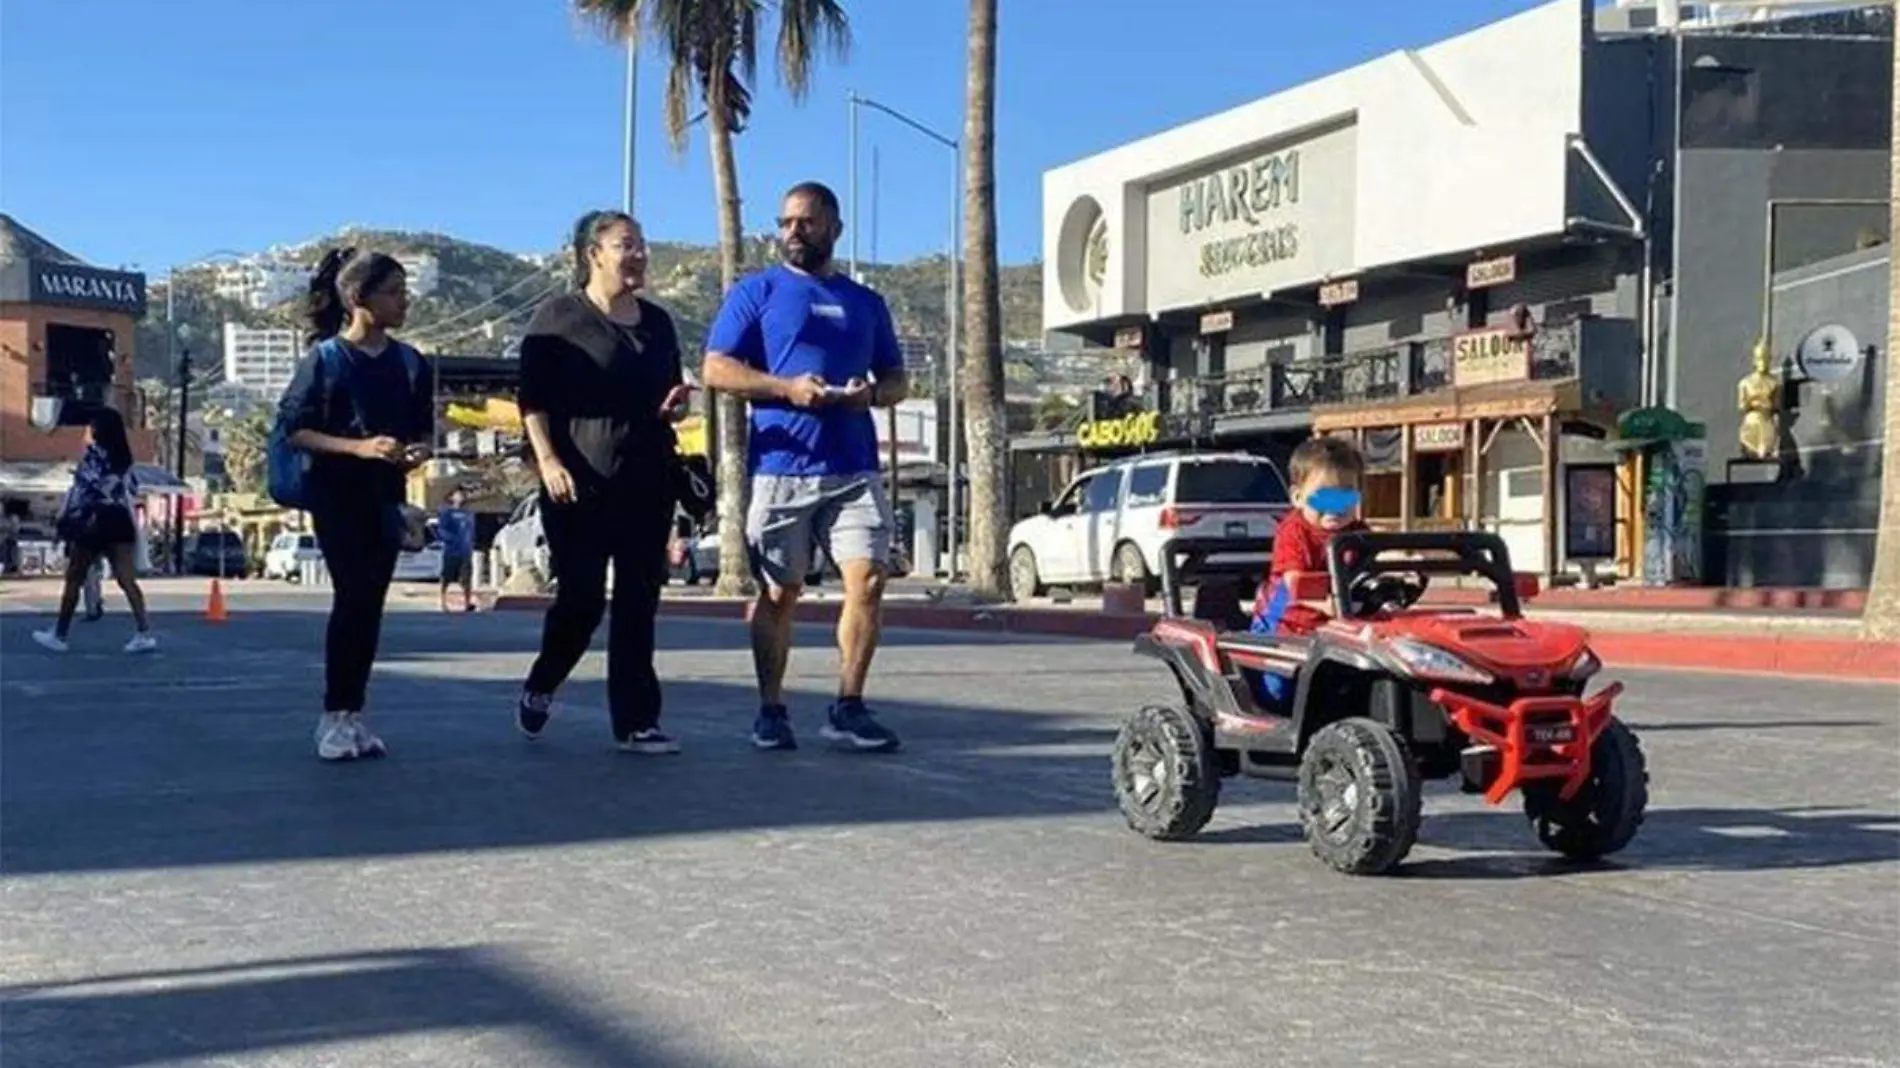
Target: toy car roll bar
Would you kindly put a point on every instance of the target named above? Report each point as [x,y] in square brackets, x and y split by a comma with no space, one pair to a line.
[1353,556]
[1191,560]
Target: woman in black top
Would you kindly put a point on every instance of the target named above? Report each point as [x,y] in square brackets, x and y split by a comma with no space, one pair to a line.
[363,405]
[601,386]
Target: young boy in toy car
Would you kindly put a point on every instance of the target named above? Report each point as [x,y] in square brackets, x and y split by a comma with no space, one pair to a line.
[1326,473]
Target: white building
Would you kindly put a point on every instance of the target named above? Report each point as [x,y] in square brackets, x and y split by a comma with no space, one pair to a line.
[1474,257]
[261,281]
[424,273]
[261,361]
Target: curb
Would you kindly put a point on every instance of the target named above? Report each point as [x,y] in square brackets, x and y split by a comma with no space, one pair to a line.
[1727,653]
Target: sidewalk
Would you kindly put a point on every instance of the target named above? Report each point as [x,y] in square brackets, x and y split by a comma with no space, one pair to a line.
[1651,633]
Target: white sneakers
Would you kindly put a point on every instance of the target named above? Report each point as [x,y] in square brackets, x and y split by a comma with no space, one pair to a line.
[346,736]
[142,642]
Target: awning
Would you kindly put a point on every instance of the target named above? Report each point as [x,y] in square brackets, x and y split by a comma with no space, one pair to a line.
[35,478]
[49,478]
[155,481]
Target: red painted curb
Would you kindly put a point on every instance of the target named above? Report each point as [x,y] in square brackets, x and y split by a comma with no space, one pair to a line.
[1776,654]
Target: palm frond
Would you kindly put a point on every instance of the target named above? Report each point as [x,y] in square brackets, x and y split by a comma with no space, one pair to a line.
[617,19]
[808,29]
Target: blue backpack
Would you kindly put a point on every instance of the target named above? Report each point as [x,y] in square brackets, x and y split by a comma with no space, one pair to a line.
[287,467]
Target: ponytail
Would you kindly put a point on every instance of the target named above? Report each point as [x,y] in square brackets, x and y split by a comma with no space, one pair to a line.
[337,286]
[324,308]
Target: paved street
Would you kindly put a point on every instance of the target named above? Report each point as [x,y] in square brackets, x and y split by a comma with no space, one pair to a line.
[186,884]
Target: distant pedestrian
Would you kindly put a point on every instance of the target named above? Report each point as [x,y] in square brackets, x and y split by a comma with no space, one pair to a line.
[362,404]
[455,525]
[601,386]
[813,351]
[96,523]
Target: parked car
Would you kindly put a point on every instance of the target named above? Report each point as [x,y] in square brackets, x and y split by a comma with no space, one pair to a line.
[1110,523]
[694,558]
[521,542]
[287,553]
[216,552]
[420,565]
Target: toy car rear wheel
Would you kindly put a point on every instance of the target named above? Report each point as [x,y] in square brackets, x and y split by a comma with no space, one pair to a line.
[1607,812]
[1165,779]
[1359,797]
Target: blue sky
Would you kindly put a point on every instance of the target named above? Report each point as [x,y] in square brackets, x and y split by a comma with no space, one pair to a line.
[148,133]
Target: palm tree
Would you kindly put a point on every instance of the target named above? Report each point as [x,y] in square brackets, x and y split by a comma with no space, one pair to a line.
[1881,618]
[985,430]
[711,49]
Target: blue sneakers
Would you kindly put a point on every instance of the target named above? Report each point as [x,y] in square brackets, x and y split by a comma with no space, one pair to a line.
[848,721]
[773,729]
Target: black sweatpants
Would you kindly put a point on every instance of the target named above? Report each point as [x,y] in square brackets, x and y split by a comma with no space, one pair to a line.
[359,544]
[627,525]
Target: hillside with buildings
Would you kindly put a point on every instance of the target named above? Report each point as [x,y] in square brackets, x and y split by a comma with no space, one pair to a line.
[474,300]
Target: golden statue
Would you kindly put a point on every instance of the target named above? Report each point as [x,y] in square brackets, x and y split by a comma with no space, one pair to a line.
[1758,397]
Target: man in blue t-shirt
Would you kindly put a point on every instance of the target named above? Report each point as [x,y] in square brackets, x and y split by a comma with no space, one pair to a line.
[814,352]
[455,525]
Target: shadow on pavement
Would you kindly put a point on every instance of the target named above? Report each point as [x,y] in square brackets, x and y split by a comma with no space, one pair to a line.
[246,1011]
[109,763]
[1499,843]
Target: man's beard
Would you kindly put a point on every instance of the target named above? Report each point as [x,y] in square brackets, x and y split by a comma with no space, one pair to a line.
[808,256]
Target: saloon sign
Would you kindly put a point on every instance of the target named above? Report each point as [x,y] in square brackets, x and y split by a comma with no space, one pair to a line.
[77,285]
[1483,357]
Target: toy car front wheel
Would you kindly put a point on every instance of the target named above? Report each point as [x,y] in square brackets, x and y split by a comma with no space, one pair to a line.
[1165,779]
[1359,797]
[1607,811]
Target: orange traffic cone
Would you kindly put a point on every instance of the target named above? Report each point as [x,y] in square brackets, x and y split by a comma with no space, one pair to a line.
[215,611]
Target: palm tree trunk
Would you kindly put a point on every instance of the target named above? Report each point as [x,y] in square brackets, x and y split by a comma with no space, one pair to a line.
[730,434]
[986,432]
[1881,619]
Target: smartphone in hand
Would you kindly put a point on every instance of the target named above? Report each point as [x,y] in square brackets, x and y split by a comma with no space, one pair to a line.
[676,399]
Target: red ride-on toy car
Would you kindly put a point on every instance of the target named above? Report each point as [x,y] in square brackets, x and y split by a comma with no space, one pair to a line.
[1384,697]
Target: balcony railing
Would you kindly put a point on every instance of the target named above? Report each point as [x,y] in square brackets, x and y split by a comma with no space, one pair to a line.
[1364,377]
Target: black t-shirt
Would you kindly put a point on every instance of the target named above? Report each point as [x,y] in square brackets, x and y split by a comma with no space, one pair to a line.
[601,385]
[390,404]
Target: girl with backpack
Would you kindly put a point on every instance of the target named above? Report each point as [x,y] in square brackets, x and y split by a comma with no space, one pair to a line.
[96,524]
[362,409]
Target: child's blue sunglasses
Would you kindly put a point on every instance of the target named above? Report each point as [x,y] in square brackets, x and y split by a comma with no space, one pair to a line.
[1333,500]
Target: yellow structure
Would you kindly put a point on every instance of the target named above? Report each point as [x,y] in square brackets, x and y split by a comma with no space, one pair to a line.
[1758,397]
[505,416]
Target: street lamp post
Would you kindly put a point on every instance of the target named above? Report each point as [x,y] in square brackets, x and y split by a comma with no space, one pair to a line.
[183,335]
[951,303]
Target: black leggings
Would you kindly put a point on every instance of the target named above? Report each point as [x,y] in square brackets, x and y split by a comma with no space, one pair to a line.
[629,527]
[359,549]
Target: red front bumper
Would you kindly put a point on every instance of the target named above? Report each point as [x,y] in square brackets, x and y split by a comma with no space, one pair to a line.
[1535,737]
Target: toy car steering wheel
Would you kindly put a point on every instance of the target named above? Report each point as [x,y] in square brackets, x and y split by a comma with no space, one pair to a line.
[1370,594]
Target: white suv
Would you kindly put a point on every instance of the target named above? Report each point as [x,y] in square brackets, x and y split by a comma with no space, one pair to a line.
[1110,523]
[287,553]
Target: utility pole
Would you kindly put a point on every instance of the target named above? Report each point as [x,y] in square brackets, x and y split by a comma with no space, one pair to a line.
[629,124]
[184,406]
[953,289]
